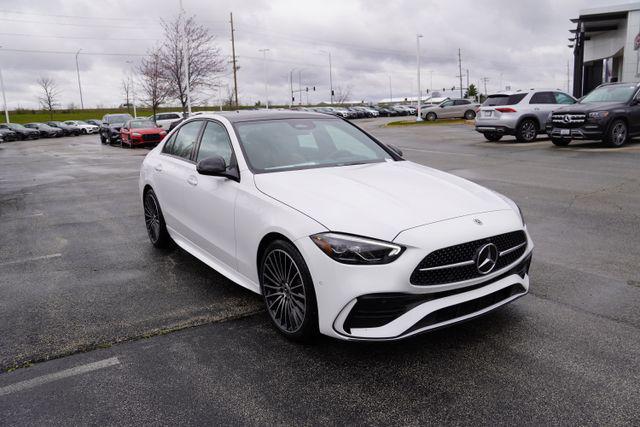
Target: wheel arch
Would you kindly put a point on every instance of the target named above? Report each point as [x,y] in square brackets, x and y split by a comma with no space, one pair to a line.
[532,117]
[266,240]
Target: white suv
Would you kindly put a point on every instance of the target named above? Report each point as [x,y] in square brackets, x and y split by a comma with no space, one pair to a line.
[522,113]
[164,120]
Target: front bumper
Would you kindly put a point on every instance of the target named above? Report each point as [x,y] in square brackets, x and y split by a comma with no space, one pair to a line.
[588,131]
[341,290]
[505,125]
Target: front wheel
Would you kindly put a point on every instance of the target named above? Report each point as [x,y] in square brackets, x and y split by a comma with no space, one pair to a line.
[103,139]
[617,135]
[287,289]
[470,115]
[431,117]
[154,221]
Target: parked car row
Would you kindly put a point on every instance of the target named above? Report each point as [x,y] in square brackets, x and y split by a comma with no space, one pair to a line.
[610,113]
[52,129]
[360,111]
[131,132]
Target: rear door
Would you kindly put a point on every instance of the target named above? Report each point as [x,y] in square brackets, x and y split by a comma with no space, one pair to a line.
[542,103]
[447,110]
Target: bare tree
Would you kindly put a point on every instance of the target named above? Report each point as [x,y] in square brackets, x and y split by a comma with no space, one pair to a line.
[155,88]
[50,97]
[126,92]
[342,95]
[203,58]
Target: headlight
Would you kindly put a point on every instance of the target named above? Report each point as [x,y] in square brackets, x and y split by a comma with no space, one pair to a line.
[163,132]
[598,114]
[356,250]
[135,134]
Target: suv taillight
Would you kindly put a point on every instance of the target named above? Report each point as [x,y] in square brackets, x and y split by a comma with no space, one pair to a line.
[506,110]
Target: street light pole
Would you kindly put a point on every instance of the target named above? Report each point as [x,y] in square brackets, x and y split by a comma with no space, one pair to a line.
[133,89]
[330,74]
[266,76]
[291,87]
[390,92]
[79,84]
[419,117]
[4,97]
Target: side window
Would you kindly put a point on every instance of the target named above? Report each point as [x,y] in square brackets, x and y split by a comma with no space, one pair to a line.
[168,145]
[183,143]
[563,98]
[172,116]
[461,102]
[215,142]
[447,104]
[542,98]
[161,117]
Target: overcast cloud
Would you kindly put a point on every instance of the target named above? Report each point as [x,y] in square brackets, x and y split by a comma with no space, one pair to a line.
[525,42]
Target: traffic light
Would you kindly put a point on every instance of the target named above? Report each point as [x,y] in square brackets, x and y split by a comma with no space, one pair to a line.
[332,92]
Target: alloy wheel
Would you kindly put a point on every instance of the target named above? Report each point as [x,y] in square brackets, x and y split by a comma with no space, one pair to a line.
[283,290]
[529,130]
[619,133]
[152,217]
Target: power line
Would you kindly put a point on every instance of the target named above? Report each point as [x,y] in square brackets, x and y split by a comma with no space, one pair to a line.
[17,12]
[138,27]
[60,52]
[48,36]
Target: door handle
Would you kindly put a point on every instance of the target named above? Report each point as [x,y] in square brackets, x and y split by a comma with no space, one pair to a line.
[192,180]
[158,167]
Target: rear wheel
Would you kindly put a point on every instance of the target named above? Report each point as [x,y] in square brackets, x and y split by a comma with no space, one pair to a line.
[103,139]
[492,136]
[617,135]
[526,131]
[154,221]
[560,142]
[288,292]
[470,115]
[431,117]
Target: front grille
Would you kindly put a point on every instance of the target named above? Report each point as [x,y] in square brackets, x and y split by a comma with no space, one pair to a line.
[461,257]
[568,120]
[374,310]
[151,137]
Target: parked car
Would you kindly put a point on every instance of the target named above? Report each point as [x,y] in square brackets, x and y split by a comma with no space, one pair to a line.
[344,113]
[385,111]
[94,122]
[522,113]
[67,129]
[141,132]
[21,131]
[356,249]
[402,110]
[45,130]
[85,128]
[164,120]
[8,135]
[611,113]
[110,128]
[357,113]
[450,109]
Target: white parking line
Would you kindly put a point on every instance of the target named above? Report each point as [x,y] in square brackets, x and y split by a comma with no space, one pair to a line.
[37,381]
[35,258]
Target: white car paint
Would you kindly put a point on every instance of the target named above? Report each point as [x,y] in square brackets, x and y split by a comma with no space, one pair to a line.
[222,222]
[86,127]
[164,120]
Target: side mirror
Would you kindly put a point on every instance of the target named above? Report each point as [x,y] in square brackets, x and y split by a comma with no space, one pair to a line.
[395,149]
[216,166]
[635,101]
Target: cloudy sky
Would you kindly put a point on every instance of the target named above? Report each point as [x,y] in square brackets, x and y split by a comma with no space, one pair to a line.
[372,42]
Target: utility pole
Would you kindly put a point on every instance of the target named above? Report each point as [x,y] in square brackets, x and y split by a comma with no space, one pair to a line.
[266,76]
[4,97]
[133,90]
[291,87]
[300,87]
[485,80]
[568,78]
[330,74]
[431,85]
[419,116]
[460,69]
[390,92]
[235,68]
[79,84]
[467,81]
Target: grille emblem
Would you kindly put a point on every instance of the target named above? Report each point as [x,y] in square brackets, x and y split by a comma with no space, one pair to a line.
[477,221]
[486,258]
[567,118]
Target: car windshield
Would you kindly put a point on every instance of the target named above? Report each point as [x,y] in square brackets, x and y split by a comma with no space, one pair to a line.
[292,144]
[117,118]
[15,126]
[142,124]
[613,93]
[503,99]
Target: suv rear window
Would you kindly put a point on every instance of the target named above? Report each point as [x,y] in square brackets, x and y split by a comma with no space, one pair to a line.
[503,99]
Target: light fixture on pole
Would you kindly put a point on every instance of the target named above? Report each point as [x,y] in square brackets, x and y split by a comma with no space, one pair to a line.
[79,84]
[419,117]
[4,97]
[266,76]
[330,74]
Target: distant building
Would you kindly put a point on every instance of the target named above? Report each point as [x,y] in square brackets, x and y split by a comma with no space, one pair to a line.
[606,46]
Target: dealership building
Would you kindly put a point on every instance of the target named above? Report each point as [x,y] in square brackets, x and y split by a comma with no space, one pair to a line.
[606,46]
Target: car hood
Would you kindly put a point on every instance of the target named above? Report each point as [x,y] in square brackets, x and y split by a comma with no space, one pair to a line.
[588,107]
[378,200]
[148,131]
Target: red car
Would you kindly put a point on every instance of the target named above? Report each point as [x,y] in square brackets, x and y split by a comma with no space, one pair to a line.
[140,132]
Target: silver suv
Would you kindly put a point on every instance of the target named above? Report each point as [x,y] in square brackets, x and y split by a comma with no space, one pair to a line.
[523,114]
[450,109]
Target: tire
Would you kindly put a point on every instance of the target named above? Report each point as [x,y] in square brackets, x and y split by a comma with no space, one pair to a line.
[154,221]
[526,131]
[492,136]
[560,142]
[84,131]
[103,139]
[469,115]
[618,134]
[431,117]
[288,292]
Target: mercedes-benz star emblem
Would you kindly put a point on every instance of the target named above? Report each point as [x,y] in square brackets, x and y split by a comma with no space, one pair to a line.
[567,118]
[486,258]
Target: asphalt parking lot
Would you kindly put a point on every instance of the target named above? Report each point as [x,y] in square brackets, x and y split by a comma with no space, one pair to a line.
[107,330]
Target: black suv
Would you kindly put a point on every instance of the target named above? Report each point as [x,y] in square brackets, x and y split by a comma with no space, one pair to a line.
[611,113]
[110,128]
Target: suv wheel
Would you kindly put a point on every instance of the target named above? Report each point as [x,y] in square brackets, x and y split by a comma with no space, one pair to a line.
[617,135]
[526,131]
[288,292]
[431,117]
[492,136]
[560,142]
[470,115]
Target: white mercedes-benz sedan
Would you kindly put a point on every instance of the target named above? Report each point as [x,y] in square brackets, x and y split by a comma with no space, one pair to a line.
[337,232]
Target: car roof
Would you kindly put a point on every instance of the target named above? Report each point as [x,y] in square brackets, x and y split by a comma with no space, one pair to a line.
[256,115]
